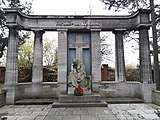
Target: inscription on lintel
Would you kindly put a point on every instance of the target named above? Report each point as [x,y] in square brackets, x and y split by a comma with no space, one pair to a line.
[78,24]
[79,45]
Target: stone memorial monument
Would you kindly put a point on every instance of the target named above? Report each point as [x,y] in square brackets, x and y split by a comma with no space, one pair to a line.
[77,79]
[79,61]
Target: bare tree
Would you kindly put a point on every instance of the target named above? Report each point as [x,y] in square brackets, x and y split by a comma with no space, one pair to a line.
[105,51]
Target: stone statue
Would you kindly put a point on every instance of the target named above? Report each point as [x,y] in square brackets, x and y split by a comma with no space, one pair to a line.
[77,77]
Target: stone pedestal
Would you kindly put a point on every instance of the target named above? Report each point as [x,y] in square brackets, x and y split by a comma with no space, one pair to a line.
[79,99]
[93,100]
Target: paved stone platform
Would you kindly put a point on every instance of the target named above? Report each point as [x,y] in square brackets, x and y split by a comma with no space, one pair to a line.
[112,112]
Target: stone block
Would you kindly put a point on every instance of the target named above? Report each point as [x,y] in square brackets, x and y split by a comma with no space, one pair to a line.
[79,99]
[36,89]
[146,90]
[120,89]
[10,94]
[156,97]
[86,104]
[47,90]
[95,86]
[2,99]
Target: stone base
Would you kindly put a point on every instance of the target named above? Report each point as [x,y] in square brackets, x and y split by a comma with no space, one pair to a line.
[146,90]
[156,97]
[79,99]
[62,105]
[2,98]
[10,94]
[93,100]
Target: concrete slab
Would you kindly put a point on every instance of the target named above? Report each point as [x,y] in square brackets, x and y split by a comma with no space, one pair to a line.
[89,117]
[90,104]
[122,100]
[34,101]
[71,117]
[107,117]
[50,117]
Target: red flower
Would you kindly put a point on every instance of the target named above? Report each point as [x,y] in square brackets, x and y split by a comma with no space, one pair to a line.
[78,91]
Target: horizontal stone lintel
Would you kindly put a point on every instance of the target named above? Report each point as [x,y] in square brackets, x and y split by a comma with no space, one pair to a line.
[76,22]
[81,45]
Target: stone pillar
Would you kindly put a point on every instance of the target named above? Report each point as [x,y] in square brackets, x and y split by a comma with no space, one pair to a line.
[11,75]
[37,69]
[62,60]
[145,65]
[145,60]
[120,74]
[96,59]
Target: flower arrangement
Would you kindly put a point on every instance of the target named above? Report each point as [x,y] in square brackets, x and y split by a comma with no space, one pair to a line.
[78,91]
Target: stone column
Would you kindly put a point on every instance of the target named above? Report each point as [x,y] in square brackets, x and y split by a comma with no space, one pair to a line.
[37,69]
[120,75]
[145,60]
[11,75]
[96,59]
[62,60]
[145,65]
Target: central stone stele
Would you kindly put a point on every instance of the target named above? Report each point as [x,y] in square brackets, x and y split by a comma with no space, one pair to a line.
[80,92]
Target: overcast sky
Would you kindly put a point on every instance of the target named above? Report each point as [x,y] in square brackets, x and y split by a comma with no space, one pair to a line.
[64,7]
[81,7]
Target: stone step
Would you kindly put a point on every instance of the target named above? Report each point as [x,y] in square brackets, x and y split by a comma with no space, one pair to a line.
[34,101]
[93,98]
[123,100]
[87,104]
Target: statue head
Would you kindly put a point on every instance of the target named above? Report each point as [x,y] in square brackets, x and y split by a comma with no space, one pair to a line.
[75,63]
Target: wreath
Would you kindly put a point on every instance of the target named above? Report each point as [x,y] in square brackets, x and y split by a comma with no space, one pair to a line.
[78,91]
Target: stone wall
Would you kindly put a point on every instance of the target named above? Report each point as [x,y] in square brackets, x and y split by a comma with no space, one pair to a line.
[107,90]
[107,74]
[130,89]
[25,91]
[25,75]
[2,99]
[156,97]
[2,74]
[104,72]
[120,89]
